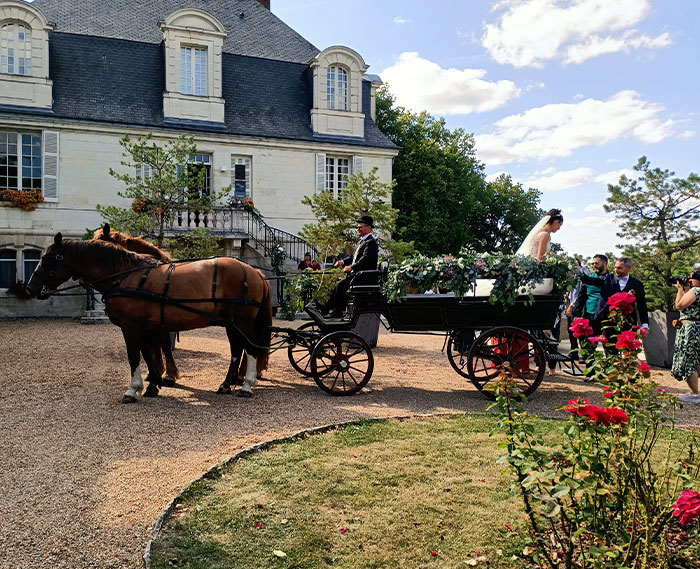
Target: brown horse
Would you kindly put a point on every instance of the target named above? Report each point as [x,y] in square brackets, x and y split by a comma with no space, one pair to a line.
[140,245]
[143,298]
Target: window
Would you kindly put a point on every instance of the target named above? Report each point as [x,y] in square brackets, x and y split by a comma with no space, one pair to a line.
[8,268]
[20,161]
[337,88]
[193,71]
[202,162]
[31,259]
[144,172]
[15,49]
[337,172]
[240,177]
[188,217]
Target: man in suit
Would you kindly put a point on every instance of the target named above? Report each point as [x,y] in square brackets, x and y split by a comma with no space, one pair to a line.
[364,258]
[620,281]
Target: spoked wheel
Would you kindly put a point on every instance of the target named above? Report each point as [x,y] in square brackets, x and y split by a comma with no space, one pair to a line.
[342,363]
[300,351]
[506,349]
[458,345]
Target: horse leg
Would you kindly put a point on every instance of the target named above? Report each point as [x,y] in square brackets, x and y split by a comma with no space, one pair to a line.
[133,352]
[250,377]
[171,372]
[236,350]
[150,349]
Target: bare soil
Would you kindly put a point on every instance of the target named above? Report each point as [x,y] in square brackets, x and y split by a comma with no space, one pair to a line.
[84,477]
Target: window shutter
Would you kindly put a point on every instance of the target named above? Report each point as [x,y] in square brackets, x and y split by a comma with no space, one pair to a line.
[357,165]
[50,148]
[320,173]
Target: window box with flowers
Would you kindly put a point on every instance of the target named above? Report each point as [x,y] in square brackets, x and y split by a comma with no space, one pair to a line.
[23,199]
[503,278]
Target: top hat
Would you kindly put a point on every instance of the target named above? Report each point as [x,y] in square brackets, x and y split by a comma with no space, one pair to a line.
[366,219]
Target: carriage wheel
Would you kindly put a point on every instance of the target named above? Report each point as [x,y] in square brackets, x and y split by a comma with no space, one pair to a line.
[458,346]
[300,352]
[506,348]
[342,363]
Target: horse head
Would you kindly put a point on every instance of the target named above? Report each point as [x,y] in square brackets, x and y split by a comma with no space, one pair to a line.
[51,271]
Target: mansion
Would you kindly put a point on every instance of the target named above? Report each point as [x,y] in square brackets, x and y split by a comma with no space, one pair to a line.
[273,117]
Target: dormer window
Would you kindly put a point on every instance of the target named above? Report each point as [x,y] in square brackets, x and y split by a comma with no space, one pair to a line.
[193,66]
[15,49]
[337,93]
[337,88]
[193,71]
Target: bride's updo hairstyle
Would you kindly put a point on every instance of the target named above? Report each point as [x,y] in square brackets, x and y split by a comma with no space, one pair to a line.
[555,215]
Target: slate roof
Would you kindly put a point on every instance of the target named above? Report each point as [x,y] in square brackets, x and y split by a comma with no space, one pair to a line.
[120,80]
[258,33]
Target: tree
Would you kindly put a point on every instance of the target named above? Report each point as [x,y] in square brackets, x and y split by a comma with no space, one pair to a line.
[160,183]
[334,232]
[443,199]
[511,213]
[659,213]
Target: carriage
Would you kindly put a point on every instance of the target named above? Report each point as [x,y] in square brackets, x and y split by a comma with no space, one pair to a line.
[146,298]
[481,338]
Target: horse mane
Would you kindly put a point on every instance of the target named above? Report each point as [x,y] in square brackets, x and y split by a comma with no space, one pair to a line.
[103,253]
[135,244]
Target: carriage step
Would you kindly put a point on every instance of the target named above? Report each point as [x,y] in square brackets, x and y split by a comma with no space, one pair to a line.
[557,358]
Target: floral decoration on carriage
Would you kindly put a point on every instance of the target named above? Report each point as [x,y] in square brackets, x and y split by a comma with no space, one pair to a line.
[510,276]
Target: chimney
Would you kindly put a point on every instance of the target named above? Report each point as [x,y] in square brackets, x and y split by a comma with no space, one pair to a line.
[265,3]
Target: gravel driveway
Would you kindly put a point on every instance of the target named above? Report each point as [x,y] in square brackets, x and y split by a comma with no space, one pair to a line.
[84,477]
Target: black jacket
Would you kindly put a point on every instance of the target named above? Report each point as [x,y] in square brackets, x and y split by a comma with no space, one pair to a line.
[609,286]
[366,256]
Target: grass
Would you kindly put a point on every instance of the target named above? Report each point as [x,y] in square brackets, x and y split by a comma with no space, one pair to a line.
[387,494]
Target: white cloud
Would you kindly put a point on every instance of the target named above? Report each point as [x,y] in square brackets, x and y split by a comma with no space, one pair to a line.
[422,85]
[613,177]
[557,130]
[549,180]
[588,235]
[594,208]
[530,32]
[399,20]
[687,134]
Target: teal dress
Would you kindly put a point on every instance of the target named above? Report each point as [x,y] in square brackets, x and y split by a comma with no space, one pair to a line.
[686,353]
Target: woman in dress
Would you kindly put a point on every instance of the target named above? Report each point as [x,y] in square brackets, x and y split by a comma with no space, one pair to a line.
[686,353]
[539,240]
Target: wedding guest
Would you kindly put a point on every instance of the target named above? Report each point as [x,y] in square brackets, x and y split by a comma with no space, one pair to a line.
[309,263]
[587,303]
[686,352]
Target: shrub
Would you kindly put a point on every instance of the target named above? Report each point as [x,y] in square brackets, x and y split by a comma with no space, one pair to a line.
[605,497]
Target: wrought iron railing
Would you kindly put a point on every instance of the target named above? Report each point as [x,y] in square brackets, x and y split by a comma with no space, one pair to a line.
[238,221]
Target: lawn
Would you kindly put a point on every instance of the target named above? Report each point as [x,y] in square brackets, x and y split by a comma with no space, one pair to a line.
[390,494]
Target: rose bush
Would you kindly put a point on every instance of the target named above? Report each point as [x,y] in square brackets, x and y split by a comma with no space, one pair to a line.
[607,496]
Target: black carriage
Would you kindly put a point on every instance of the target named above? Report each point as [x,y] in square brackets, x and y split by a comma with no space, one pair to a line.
[482,337]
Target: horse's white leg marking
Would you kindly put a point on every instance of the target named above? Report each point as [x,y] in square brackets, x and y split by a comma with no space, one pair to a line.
[136,384]
[250,375]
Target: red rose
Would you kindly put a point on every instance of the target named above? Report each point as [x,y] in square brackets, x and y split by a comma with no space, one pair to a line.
[581,327]
[687,508]
[622,302]
[628,340]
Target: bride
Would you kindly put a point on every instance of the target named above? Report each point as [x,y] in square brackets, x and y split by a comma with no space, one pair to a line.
[538,241]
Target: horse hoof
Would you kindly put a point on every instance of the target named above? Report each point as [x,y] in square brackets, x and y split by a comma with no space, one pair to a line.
[151,391]
[246,394]
[238,380]
[129,399]
[168,382]
[224,389]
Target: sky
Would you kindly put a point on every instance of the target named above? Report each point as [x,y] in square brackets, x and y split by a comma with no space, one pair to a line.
[562,95]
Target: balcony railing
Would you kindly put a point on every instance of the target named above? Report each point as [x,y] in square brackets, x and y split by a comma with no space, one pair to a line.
[229,221]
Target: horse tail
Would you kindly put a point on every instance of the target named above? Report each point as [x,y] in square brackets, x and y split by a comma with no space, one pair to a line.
[263,321]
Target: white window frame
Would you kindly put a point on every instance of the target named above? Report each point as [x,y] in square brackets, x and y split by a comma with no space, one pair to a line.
[35,262]
[337,88]
[193,70]
[337,173]
[15,49]
[246,162]
[20,157]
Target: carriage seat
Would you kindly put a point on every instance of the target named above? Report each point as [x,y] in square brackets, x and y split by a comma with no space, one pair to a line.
[369,281]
